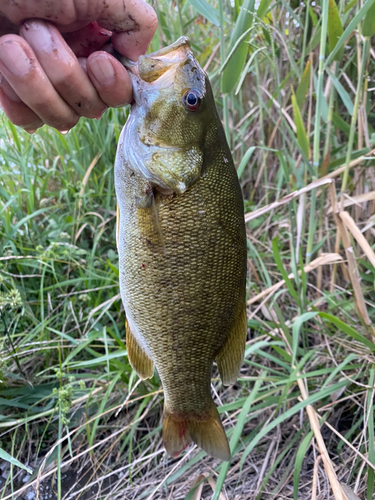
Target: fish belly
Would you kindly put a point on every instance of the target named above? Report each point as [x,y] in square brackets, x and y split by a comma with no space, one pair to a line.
[182,261]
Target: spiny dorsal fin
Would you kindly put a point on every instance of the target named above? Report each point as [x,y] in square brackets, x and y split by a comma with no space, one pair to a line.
[138,359]
[230,357]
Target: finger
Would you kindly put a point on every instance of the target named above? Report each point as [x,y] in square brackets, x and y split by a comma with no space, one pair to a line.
[88,40]
[133,36]
[110,79]
[134,18]
[27,78]
[62,68]
[17,112]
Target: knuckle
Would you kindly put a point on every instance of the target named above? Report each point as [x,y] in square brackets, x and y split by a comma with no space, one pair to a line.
[69,123]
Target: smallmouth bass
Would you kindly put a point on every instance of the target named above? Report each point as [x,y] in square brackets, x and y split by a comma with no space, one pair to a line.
[182,244]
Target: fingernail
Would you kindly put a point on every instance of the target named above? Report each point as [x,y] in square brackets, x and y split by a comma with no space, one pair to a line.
[30,130]
[103,71]
[83,63]
[37,34]
[14,58]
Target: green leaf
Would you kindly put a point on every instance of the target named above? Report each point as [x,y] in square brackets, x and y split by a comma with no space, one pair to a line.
[292,411]
[341,124]
[342,92]
[237,60]
[349,29]
[295,331]
[282,270]
[302,138]
[303,85]
[304,446]
[5,456]
[101,359]
[313,16]
[348,330]
[288,449]
[350,6]
[206,10]
[263,7]
[244,161]
[369,23]
[242,420]
[335,29]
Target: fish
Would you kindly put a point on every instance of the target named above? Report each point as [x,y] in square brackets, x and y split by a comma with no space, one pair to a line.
[182,244]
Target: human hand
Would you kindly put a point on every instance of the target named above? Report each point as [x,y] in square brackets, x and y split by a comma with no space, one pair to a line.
[52,66]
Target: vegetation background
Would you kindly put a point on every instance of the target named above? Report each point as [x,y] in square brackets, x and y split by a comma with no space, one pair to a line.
[294,82]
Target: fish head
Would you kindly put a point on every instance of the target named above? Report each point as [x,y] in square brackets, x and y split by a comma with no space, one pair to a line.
[172,113]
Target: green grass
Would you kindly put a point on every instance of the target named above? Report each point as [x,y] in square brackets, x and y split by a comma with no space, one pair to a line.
[69,399]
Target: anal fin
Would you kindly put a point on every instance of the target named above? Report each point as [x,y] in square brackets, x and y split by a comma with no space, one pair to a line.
[138,359]
[230,357]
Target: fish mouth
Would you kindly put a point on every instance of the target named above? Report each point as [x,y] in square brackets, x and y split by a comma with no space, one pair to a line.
[152,67]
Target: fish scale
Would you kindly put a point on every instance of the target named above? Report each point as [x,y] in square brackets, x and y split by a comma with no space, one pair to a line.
[182,255]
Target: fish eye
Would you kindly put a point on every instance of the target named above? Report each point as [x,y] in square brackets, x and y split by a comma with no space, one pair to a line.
[191,100]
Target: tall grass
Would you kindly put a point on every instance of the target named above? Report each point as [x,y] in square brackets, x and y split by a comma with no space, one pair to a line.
[299,114]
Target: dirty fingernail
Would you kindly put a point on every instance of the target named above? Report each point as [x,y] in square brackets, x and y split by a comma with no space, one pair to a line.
[103,71]
[14,58]
[37,34]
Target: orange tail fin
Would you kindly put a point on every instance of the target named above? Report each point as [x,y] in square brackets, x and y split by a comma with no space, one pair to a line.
[208,434]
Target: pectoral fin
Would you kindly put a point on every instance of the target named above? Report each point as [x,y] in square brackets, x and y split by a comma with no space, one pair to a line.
[176,168]
[138,359]
[230,357]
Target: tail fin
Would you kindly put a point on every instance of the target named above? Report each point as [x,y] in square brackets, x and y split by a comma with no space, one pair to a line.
[208,433]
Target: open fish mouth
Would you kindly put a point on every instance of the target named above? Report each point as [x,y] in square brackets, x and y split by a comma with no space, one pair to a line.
[152,67]
[157,138]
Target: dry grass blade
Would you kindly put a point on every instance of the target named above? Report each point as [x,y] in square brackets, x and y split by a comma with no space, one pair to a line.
[353,269]
[169,474]
[286,199]
[324,259]
[334,482]
[349,492]
[51,471]
[17,257]
[82,190]
[212,483]
[315,477]
[283,110]
[86,178]
[353,228]
[356,200]
[198,493]
[356,451]
[352,164]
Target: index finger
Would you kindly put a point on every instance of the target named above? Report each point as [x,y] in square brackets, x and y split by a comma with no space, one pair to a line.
[133,21]
[133,34]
